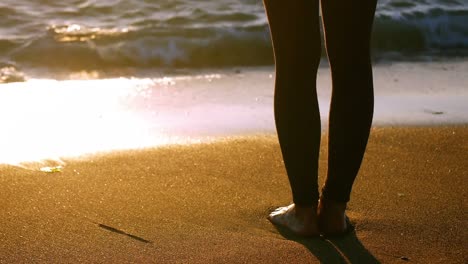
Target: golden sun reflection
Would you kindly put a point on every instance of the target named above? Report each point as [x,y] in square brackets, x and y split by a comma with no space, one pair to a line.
[75,32]
[46,119]
[49,119]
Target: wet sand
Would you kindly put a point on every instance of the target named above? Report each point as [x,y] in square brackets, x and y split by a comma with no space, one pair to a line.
[207,203]
[81,116]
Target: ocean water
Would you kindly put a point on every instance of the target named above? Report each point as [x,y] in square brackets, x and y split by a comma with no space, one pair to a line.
[114,35]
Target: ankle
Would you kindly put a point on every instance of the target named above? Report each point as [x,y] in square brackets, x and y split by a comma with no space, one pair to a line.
[326,206]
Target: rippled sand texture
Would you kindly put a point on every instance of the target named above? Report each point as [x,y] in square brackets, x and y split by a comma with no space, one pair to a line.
[208,203]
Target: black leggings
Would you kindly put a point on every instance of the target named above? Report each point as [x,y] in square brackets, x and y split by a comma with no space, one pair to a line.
[295,32]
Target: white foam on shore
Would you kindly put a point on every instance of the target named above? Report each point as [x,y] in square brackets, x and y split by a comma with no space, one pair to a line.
[47,119]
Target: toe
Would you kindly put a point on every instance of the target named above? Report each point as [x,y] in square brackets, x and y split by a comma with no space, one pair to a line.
[280,215]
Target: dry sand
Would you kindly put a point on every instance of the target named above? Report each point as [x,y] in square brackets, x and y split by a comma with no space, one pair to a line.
[207,203]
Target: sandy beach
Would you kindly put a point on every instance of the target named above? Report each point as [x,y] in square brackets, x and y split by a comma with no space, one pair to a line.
[207,203]
[144,132]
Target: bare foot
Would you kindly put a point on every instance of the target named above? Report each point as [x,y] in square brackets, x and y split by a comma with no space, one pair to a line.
[332,217]
[300,220]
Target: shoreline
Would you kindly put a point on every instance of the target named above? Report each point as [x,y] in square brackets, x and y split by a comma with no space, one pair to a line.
[75,117]
[207,203]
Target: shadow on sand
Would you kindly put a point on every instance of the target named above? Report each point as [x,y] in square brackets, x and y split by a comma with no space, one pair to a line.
[347,249]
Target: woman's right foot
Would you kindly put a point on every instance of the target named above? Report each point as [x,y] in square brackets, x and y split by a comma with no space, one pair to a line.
[332,218]
[300,220]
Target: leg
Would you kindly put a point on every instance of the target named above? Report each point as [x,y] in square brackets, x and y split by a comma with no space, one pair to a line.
[347,26]
[296,40]
[295,32]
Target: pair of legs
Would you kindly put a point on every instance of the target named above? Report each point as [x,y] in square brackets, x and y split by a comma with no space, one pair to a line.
[295,33]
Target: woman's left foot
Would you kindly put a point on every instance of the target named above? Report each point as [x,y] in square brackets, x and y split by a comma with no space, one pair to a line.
[300,220]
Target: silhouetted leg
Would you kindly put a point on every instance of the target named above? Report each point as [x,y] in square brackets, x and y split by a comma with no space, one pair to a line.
[295,31]
[348,27]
